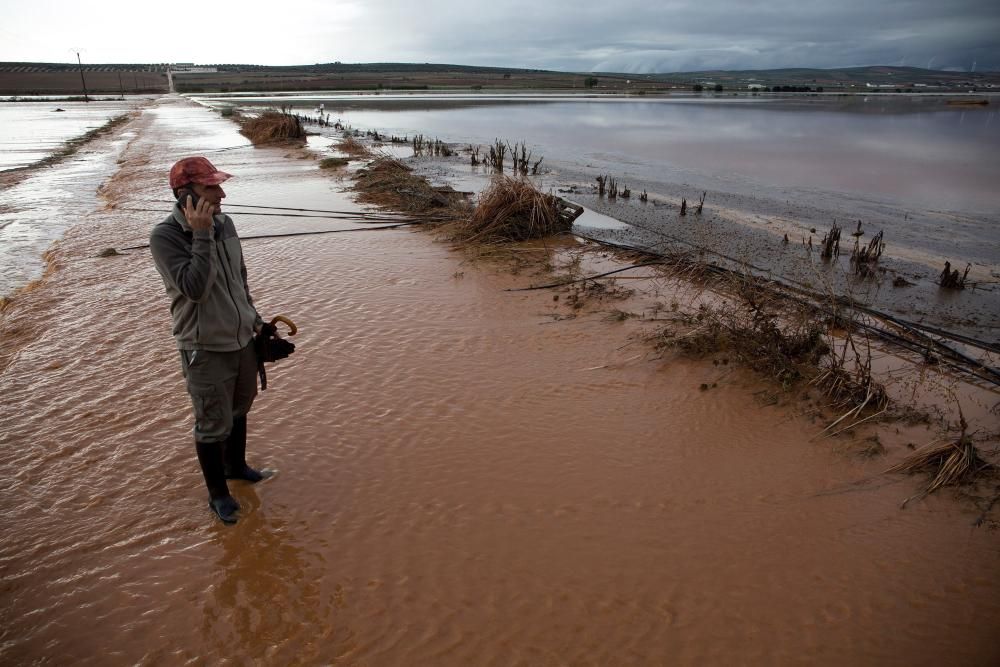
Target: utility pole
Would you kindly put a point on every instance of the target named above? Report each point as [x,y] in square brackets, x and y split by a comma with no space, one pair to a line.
[82,80]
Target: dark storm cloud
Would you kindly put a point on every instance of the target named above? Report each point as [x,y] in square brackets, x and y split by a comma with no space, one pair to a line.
[582,35]
[634,36]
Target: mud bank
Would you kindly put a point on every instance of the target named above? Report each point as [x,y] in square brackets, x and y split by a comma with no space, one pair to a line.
[463,477]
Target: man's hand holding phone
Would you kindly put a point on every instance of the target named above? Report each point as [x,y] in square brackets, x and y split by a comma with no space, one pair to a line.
[198,211]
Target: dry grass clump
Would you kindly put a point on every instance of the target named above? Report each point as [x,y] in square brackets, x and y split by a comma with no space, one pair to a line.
[333,162]
[352,146]
[582,293]
[950,463]
[389,183]
[272,127]
[758,329]
[512,209]
[855,389]
[789,340]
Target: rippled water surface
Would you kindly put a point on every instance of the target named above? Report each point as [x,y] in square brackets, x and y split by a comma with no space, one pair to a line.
[462,479]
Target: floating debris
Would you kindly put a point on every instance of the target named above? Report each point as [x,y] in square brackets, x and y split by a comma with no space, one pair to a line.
[951,463]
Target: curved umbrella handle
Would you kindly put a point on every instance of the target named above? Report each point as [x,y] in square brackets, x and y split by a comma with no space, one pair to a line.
[291,325]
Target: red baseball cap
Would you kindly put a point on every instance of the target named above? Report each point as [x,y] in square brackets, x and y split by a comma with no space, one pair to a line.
[195,170]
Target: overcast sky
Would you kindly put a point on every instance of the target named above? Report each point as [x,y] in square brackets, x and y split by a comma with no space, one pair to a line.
[624,36]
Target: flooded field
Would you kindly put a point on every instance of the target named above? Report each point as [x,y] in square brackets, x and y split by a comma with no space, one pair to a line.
[36,209]
[912,153]
[464,478]
[30,131]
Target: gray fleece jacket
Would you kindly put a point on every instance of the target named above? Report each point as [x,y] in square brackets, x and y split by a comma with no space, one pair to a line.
[206,281]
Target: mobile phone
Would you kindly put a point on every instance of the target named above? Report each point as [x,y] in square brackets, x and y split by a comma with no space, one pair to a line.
[183,194]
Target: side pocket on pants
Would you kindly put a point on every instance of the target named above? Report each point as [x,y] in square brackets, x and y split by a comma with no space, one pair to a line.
[210,416]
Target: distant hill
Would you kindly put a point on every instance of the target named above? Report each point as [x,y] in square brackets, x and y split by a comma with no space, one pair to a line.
[24,78]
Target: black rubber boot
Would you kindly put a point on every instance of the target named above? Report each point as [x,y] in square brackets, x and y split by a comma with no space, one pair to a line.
[210,458]
[236,455]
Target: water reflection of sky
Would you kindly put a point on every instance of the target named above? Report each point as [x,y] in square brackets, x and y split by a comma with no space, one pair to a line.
[918,154]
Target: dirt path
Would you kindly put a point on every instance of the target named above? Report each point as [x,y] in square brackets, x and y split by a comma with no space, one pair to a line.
[463,480]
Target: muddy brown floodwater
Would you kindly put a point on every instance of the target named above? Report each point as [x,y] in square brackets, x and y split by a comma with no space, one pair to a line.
[462,479]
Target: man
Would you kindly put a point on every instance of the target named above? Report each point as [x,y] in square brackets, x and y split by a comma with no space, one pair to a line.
[198,254]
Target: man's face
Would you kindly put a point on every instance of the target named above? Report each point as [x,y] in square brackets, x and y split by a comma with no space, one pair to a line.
[212,193]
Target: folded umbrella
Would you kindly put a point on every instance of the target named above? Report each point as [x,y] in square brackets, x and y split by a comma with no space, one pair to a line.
[270,346]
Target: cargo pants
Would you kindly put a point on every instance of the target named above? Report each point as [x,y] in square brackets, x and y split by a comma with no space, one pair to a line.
[222,386]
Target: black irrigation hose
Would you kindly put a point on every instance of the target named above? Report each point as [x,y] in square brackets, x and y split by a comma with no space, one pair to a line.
[961,338]
[973,342]
[303,210]
[582,280]
[283,208]
[359,218]
[992,376]
[681,241]
[321,231]
[374,216]
[250,145]
[356,218]
[947,352]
